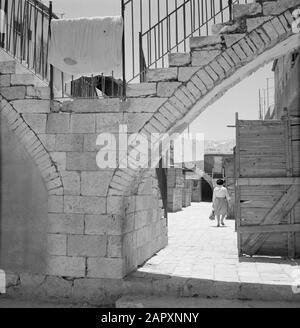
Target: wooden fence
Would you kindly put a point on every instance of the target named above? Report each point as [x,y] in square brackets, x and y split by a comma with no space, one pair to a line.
[267,189]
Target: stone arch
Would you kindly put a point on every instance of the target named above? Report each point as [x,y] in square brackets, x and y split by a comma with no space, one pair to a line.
[35,148]
[271,38]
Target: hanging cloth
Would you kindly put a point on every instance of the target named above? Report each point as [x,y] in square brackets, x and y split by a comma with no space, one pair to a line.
[87,46]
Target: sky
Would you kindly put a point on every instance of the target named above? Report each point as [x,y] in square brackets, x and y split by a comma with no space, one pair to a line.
[243,98]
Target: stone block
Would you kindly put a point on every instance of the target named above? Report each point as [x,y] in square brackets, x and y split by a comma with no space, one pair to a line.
[65,223]
[114,246]
[278,7]
[60,160]
[145,105]
[203,57]
[13,93]
[22,79]
[253,23]
[96,224]
[58,123]
[36,122]
[71,182]
[106,268]
[95,183]
[179,59]
[31,106]
[66,266]
[231,39]
[107,105]
[69,142]
[109,122]
[199,42]
[141,90]
[4,80]
[185,73]
[84,245]
[245,10]
[166,89]
[8,67]
[84,205]
[78,161]
[48,140]
[57,244]
[55,204]
[38,92]
[83,123]
[162,74]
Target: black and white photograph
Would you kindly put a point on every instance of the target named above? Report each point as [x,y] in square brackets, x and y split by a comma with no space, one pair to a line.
[149,157]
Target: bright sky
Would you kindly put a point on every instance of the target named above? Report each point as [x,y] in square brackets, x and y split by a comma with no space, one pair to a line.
[243,98]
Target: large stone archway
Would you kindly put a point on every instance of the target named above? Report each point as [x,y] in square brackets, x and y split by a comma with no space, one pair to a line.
[190,89]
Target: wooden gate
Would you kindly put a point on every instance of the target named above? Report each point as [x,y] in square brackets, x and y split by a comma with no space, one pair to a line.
[267,188]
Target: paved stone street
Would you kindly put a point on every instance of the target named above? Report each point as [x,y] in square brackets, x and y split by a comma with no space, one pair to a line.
[198,249]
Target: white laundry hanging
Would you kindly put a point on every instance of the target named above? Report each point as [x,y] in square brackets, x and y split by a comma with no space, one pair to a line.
[87,46]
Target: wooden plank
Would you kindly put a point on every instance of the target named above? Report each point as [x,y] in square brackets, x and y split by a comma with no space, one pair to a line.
[281,209]
[270,228]
[269,181]
[237,206]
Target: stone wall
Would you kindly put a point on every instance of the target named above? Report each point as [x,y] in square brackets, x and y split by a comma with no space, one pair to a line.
[175,185]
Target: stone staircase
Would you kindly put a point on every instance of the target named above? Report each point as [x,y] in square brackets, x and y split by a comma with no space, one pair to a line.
[254,26]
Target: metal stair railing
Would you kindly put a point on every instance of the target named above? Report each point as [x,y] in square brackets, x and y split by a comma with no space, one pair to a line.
[155,28]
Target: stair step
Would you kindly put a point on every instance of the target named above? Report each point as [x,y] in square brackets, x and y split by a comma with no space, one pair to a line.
[179,59]
[195,302]
[225,28]
[243,10]
[141,89]
[8,67]
[162,74]
[22,79]
[38,92]
[208,42]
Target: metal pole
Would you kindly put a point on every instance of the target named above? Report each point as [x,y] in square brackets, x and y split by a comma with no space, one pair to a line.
[123,50]
[51,67]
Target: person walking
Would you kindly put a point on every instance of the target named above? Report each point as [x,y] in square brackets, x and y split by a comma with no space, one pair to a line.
[220,202]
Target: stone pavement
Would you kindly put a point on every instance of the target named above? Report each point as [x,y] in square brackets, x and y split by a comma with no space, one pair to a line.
[202,255]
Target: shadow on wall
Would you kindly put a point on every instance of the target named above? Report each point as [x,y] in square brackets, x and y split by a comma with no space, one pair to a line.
[24,208]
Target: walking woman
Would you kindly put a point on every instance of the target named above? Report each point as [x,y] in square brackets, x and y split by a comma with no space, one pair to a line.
[220,202]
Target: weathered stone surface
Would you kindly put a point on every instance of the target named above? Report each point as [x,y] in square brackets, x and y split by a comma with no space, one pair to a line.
[278,26]
[141,90]
[55,204]
[38,92]
[278,7]
[253,23]
[58,123]
[250,9]
[106,268]
[230,39]
[109,122]
[37,122]
[66,266]
[84,205]
[106,105]
[71,183]
[179,59]
[185,73]
[31,106]
[162,74]
[203,57]
[97,224]
[57,244]
[59,158]
[8,67]
[166,89]
[22,79]
[13,93]
[142,105]
[199,42]
[136,121]
[83,123]
[84,245]
[65,223]
[95,183]
[4,80]
[78,161]
[69,142]
[114,246]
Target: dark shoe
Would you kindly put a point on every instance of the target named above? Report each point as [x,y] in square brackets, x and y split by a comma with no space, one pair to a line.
[222,223]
